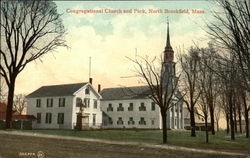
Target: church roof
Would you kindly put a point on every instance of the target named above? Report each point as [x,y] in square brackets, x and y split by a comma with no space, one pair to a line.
[122,93]
[56,90]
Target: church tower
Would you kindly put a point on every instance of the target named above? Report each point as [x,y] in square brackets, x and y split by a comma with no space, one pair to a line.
[168,52]
[175,113]
[168,65]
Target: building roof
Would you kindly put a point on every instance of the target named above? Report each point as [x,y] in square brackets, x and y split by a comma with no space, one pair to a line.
[56,90]
[19,117]
[122,93]
[15,116]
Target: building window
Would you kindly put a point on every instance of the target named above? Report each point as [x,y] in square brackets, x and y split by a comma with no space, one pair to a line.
[38,117]
[95,103]
[48,118]
[110,121]
[142,107]
[49,102]
[131,121]
[119,122]
[78,102]
[153,106]
[152,122]
[131,107]
[87,91]
[110,108]
[60,118]
[38,103]
[120,108]
[61,102]
[94,119]
[86,102]
[142,121]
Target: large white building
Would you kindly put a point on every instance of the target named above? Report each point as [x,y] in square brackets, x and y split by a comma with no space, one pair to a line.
[57,106]
[131,107]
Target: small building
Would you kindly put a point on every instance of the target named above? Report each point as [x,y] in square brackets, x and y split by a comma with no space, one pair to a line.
[131,107]
[56,106]
[18,121]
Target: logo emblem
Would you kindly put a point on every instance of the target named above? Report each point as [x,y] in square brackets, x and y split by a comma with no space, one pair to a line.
[40,154]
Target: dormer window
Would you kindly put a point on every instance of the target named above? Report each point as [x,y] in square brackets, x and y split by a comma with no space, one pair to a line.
[87,90]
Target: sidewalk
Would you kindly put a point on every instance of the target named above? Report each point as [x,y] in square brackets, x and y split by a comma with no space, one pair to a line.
[158,146]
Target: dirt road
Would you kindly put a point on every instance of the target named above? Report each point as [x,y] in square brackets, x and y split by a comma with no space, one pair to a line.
[16,146]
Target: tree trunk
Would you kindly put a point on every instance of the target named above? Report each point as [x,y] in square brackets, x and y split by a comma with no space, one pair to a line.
[245,113]
[192,121]
[239,116]
[247,123]
[8,123]
[206,129]
[231,116]
[235,119]
[211,109]
[218,128]
[227,119]
[164,126]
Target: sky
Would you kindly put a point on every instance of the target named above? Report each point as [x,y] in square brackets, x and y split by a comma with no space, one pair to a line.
[109,38]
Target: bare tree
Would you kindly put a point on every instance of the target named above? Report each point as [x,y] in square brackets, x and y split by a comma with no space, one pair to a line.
[3,90]
[203,111]
[190,67]
[246,109]
[231,31]
[209,80]
[162,83]
[20,103]
[29,30]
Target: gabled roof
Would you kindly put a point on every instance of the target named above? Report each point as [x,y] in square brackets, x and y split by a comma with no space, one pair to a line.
[122,93]
[56,90]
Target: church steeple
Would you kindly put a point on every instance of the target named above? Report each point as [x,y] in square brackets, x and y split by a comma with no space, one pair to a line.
[168,52]
[168,37]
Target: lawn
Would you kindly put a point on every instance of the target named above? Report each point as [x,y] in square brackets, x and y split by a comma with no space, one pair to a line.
[219,141]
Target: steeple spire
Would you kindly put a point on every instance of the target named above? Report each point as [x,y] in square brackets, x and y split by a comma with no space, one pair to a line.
[168,52]
[168,37]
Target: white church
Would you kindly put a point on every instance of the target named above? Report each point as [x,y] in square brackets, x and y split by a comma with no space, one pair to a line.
[56,106]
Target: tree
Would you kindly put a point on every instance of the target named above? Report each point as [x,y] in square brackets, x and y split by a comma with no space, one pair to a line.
[162,84]
[231,32]
[2,90]
[203,111]
[246,108]
[209,80]
[227,73]
[29,30]
[190,67]
[20,103]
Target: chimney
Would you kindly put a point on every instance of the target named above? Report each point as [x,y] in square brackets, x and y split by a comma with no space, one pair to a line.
[99,88]
[90,80]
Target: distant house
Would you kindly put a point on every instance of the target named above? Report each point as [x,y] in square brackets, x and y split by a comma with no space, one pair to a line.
[131,107]
[18,121]
[56,106]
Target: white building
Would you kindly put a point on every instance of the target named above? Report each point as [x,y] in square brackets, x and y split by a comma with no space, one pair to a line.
[56,106]
[131,107]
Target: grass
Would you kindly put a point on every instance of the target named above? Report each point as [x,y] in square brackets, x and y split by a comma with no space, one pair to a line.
[219,141]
